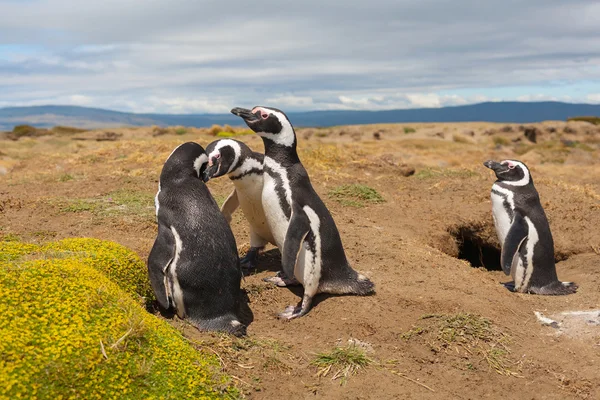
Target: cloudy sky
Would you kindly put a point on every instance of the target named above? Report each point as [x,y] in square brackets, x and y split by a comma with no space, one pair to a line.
[196,56]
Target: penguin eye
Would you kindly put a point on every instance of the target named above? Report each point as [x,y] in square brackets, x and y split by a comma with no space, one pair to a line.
[264,116]
[218,155]
[510,166]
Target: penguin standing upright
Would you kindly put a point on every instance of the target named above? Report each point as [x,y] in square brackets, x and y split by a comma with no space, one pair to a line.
[311,247]
[524,232]
[193,265]
[245,169]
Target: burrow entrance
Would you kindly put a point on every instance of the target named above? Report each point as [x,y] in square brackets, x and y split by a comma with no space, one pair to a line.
[476,248]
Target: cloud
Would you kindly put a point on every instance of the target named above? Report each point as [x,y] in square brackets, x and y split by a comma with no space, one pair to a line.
[191,56]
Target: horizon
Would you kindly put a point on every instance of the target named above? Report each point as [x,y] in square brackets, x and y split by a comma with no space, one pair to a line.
[303,111]
[199,58]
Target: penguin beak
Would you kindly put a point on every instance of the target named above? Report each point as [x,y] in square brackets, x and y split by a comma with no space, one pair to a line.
[494,165]
[245,114]
[212,168]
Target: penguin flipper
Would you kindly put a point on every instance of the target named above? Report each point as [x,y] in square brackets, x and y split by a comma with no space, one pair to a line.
[159,260]
[298,228]
[517,234]
[230,205]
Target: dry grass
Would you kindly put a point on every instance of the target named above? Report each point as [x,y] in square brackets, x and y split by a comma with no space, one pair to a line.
[469,336]
[341,362]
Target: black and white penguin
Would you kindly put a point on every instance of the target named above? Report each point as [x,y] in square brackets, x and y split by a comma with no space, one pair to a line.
[303,229]
[245,169]
[194,266]
[523,231]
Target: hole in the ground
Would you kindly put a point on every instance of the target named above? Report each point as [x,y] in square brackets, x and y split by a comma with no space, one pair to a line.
[474,249]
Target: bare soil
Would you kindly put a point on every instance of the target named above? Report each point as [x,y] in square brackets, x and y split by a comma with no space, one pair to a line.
[53,187]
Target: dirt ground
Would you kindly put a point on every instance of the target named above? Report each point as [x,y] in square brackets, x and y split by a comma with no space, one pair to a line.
[438,326]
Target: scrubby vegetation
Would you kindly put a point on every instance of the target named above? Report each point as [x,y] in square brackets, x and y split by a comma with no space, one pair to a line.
[342,362]
[70,329]
[591,120]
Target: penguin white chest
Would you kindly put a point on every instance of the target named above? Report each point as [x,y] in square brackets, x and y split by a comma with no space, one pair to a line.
[276,191]
[249,191]
[502,219]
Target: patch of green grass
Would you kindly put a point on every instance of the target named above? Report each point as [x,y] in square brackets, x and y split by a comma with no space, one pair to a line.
[66,178]
[180,131]
[408,129]
[79,205]
[356,195]
[428,173]
[119,202]
[227,134]
[501,141]
[341,362]
[413,332]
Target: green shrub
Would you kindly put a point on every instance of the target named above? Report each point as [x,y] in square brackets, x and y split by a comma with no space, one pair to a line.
[116,262]
[68,331]
[408,129]
[590,119]
[67,130]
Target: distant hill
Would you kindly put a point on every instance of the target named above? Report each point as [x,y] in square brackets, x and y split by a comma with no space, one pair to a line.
[516,112]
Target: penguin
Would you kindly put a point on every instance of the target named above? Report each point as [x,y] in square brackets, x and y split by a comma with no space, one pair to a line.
[245,169]
[303,228]
[194,265]
[523,231]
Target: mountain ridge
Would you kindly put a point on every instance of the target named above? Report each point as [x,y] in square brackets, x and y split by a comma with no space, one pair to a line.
[507,111]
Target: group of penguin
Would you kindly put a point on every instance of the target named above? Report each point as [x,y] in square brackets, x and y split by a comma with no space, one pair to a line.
[194,267]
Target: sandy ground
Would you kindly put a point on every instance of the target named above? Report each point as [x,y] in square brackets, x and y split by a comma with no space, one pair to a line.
[438,326]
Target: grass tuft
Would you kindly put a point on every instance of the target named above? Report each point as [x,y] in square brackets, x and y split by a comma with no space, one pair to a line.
[408,129]
[341,362]
[356,195]
[479,340]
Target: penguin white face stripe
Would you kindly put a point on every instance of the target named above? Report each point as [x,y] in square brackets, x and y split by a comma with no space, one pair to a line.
[248,165]
[526,177]
[172,274]
[278,169]
[198,163]
[236,150]
[286,137]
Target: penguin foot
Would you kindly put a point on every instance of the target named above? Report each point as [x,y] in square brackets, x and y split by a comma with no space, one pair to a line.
[556,289]
[250,260]
[281,280]
[291,312]
[510,286]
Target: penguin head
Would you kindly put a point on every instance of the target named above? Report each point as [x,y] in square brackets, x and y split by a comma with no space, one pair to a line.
[223,157]
[269,123]
[511,172]
[188,159]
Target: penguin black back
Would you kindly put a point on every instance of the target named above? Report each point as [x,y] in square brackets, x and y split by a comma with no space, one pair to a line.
[193,265]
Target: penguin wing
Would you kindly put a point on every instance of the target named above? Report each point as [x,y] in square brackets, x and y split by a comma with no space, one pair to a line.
[296,233]
[159,260]
[514,238]
[230,205]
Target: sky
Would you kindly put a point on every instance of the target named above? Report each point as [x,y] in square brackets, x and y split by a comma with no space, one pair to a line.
[205,56]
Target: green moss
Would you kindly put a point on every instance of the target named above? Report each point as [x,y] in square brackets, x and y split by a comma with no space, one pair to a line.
[356,195]
[68,331]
